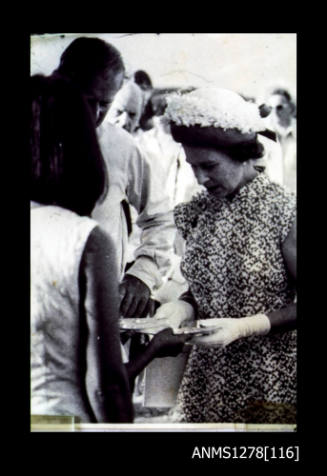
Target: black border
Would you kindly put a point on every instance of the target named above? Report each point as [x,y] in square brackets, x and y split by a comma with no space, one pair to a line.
[139,448]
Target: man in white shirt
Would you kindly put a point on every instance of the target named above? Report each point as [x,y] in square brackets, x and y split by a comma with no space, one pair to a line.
[172,174]
[97,69]
[282,120]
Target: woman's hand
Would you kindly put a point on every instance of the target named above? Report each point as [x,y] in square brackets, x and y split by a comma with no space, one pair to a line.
[231,329]
[177,312]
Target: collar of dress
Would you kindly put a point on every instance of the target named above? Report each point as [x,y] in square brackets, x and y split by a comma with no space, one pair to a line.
[248,190]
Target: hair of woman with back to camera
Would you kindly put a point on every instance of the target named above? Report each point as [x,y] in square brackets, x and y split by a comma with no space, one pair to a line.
[67,167]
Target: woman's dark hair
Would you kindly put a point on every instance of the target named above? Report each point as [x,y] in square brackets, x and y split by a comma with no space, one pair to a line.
[67,167]
[245,151]
[86,58]
[241,147]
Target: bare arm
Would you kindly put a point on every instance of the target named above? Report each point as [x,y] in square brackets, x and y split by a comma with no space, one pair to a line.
[106,379]
[285,319]
[163,344]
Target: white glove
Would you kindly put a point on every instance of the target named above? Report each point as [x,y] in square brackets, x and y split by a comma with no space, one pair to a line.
[231,329]
[176,312]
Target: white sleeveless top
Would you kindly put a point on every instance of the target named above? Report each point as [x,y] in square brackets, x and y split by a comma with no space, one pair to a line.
[58,362]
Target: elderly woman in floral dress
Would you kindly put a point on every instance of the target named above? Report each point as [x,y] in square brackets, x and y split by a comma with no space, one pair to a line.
[240,238]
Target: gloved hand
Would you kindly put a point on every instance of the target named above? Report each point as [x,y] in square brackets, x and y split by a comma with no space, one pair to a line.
[177,312]
[231,329]
[135,297]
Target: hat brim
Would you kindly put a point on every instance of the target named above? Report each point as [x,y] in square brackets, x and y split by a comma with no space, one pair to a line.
[196,135]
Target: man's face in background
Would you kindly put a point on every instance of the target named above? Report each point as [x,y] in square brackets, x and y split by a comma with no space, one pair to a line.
[127,107]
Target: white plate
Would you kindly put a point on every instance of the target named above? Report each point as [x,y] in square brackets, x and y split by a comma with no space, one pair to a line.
[145,325]
[153,325]
[196,331]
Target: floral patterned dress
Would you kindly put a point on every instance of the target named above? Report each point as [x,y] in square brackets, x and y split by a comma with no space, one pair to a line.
[235,268]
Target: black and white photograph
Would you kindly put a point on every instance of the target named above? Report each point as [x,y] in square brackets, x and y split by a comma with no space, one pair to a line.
[163,232]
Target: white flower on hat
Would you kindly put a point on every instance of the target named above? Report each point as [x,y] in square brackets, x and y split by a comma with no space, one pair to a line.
[215,107]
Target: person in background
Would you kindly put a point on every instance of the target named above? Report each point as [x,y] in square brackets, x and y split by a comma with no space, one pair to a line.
[240,264]
[143,80]
[178,181]
[166,159]
[272,159]
[97,69]
[160,149]
[282,120]
[126,109]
